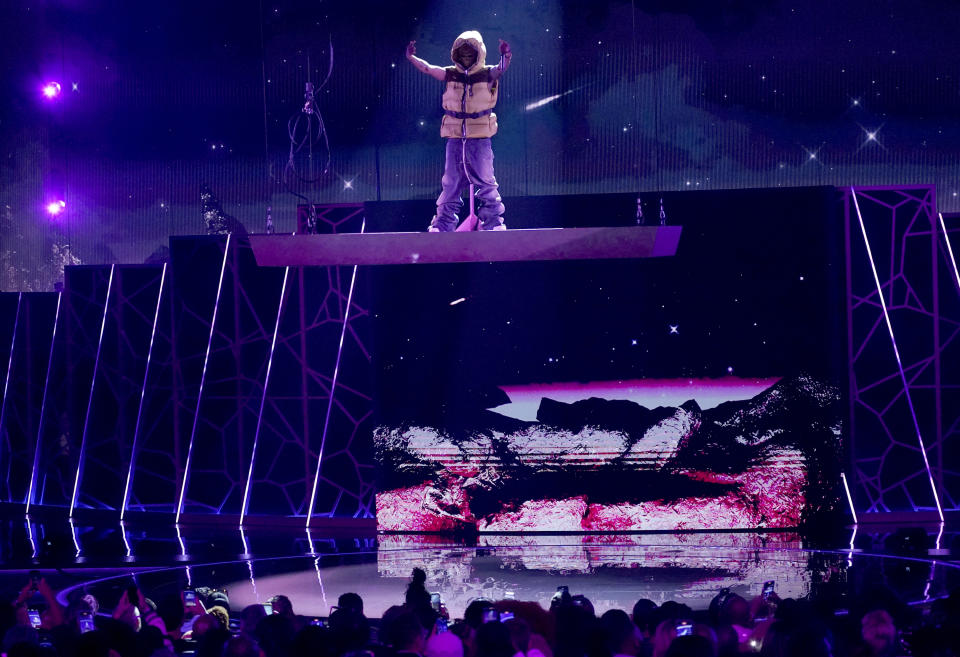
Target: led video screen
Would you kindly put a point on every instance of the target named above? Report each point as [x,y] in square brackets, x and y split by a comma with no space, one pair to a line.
[699,391]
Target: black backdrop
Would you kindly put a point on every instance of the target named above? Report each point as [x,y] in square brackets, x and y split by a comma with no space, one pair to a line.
[646,96]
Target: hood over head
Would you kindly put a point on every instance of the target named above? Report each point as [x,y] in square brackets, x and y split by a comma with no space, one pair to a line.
[474,40]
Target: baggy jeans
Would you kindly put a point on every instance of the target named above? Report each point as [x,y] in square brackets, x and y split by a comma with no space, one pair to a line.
[468,161]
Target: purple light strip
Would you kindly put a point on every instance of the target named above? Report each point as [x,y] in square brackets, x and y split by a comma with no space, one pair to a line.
[253,581]
[126,542]
[263,400]
[32,536]
[203,377]
[6,383]
[183,547]
[323,592]
[73,528]
[896,352]
[31,492]
[953,261]
[93,380]
[333,385]
[143,394]
[853,538]
[846,487]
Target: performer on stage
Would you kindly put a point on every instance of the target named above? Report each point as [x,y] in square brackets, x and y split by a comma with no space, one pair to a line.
[468,124]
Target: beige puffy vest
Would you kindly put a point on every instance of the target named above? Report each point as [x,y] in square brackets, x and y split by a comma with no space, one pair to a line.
[469,96]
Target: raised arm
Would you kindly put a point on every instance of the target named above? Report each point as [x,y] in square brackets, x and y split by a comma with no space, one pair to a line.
[435,72]
[505,56]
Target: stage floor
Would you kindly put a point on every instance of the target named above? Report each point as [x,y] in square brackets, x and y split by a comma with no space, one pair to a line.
[613,571]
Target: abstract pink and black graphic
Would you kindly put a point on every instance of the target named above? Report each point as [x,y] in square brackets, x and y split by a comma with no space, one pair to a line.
[613,465]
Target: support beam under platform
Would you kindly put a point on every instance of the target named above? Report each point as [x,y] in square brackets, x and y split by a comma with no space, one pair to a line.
[481,246]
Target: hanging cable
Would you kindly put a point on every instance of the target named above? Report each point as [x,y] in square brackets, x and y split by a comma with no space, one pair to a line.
[306,131]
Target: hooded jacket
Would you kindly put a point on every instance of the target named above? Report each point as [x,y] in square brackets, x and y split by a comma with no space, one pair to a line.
[470,94]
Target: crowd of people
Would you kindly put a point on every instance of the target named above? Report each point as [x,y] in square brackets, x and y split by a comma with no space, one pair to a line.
[201,622]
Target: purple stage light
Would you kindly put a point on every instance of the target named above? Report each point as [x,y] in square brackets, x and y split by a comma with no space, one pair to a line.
[81,458]
[203,378]
[56,208]
[333,386]
[31,493]
[896,353]
[143,394]
[263,402]
[51,90]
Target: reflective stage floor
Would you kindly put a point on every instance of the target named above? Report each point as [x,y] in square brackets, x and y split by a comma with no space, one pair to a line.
[613,571]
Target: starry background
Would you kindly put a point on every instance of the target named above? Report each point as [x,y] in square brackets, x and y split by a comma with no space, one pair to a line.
[602,97]
[754,292]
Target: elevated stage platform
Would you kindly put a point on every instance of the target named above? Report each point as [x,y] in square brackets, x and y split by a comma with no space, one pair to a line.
[272,376]
[492,246]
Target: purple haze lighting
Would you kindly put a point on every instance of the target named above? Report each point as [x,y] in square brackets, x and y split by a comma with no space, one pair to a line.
[263,400]
[31,492]
[51,90]
[143,393]
[896,352]
[333,385]
[86,419]
[56,208]
[203,378]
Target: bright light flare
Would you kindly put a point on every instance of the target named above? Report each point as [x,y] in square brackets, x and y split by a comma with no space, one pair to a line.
[871,136]
[51,90]
[56,208]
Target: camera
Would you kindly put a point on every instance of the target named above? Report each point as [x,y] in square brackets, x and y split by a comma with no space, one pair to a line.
[85,621]
[768,589]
